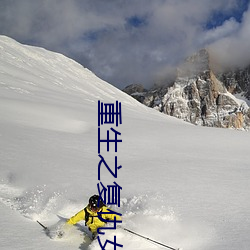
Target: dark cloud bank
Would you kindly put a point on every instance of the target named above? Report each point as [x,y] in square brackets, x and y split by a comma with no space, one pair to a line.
[131,41]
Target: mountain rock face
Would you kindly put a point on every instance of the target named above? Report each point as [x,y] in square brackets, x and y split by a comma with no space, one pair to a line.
[237,81]
[200,96]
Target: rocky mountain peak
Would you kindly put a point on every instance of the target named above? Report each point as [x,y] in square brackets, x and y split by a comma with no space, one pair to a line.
[200,96]
[197,64]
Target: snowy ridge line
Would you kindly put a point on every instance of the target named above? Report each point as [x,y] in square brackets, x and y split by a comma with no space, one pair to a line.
[37,72]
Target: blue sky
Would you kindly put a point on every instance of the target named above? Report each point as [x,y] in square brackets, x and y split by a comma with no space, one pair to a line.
[218,17]
[131,41]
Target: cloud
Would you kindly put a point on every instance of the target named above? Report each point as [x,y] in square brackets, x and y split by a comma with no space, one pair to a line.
[121,41]
[232,50]
[228,28]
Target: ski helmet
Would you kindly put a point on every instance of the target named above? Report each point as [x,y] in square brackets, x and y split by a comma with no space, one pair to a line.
[93,202]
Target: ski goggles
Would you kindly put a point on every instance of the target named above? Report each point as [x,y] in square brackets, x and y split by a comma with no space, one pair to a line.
[94,208]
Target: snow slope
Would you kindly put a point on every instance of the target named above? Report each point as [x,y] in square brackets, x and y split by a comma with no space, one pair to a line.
[183,185]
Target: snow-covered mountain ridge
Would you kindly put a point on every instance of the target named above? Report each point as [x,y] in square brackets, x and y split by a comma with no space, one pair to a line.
[201,96]
[30,63]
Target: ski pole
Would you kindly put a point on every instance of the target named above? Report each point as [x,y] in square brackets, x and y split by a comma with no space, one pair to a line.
[45,228]
[159,243]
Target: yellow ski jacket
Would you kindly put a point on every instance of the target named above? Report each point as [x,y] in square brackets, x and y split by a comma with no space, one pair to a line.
[91,218]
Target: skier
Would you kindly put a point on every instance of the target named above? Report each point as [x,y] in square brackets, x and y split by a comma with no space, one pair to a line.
[90,215]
